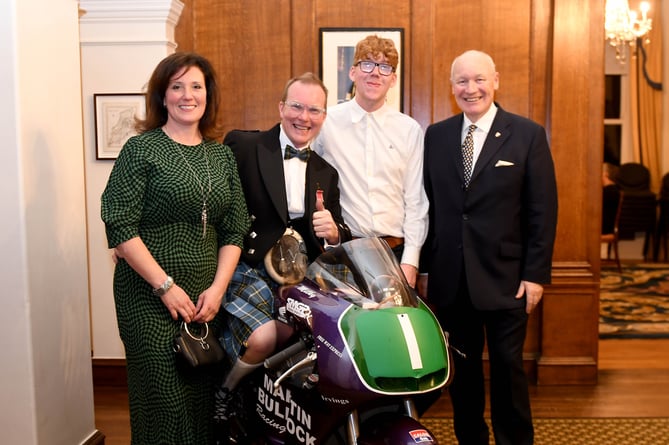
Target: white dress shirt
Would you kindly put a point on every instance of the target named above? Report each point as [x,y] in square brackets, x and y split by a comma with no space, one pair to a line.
[379,157]
[294,172]
[481,133]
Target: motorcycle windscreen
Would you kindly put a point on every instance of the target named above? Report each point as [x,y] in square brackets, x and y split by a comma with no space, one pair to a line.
[364,272]
[397,350]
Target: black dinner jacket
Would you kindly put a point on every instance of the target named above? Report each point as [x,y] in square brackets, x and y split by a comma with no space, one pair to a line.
[260,166]
[502,228]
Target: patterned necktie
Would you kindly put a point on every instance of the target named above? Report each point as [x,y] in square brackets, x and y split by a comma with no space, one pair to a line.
[292,152]
[468,154]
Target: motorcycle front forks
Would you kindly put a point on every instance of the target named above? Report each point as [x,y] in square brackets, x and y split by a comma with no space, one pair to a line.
[352,428]
[353,422]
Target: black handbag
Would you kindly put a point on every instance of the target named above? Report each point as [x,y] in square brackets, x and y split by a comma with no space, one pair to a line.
[195,350]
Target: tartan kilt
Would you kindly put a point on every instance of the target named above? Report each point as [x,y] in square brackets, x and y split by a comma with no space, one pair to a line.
[249,303]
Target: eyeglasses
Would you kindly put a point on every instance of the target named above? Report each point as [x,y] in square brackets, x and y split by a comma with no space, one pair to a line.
[297,109]
[367,66]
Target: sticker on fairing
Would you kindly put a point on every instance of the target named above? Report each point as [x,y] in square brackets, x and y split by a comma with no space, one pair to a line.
[420,436]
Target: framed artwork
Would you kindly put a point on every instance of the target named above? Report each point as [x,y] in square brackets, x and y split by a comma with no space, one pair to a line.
[337,50]
[115,121]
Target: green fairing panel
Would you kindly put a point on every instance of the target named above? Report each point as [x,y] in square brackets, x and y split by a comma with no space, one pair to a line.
[398,350]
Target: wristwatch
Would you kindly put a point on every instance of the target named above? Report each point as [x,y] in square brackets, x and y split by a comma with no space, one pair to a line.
[162,290]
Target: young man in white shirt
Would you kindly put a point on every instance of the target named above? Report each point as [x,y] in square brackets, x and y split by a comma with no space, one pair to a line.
[378,152]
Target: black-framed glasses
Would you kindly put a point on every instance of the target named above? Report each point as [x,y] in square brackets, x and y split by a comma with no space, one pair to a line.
[297,108]
[367,66]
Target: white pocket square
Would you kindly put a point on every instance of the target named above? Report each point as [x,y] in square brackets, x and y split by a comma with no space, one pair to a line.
[502,163]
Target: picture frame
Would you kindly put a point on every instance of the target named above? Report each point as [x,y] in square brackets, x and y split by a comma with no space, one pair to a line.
[337,48]
[115,121]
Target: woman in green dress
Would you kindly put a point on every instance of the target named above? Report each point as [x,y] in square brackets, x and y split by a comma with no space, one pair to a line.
[175,216]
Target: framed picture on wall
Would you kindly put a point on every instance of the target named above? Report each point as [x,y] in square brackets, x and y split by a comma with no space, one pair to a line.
[337,50]
[115,121]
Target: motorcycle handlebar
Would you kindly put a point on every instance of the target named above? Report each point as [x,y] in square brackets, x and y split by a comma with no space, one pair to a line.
[283,355]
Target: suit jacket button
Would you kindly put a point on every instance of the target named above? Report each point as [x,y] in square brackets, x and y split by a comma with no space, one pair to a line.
[465,217]
[252,217]
[251,251]
[252,235]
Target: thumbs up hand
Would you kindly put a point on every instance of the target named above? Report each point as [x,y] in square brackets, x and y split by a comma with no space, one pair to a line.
[319,200]
[324,225]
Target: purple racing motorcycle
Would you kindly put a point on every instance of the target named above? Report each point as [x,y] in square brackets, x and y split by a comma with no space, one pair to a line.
[365,346]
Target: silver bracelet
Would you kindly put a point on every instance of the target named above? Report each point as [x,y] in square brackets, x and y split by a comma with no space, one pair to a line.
[166,286]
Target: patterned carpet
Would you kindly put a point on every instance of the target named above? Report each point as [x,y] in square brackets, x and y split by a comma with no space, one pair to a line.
[601,431]
[635,303]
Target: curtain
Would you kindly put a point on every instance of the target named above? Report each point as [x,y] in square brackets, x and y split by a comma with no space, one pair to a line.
[646,99]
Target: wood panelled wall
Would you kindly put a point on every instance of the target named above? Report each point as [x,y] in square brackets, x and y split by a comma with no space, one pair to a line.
[550,56]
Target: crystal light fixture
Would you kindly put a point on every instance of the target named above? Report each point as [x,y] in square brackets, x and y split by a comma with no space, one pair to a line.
[624,27]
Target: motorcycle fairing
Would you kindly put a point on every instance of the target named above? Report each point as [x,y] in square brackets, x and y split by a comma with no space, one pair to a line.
[399,350]
[395,429]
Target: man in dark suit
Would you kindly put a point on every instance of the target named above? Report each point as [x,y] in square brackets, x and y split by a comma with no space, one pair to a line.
[492,222]
[286,185]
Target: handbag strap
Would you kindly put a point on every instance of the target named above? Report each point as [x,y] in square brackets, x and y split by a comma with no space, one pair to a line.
[184,326]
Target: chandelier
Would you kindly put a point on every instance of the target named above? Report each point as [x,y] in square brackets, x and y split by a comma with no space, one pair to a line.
[624,27]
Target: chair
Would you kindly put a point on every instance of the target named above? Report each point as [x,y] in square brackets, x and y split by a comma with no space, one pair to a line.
[633,177]
[639,208]
[611,239]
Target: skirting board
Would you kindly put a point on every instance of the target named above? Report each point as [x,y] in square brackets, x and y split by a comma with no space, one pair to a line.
[97,438]
[109,372]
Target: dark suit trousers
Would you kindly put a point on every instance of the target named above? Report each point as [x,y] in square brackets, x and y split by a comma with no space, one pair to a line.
[504,331]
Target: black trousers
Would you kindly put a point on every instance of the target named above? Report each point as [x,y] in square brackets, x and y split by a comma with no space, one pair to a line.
[504,333]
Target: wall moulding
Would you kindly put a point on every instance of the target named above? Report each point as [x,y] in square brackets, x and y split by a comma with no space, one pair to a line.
[128,22]
[130,10]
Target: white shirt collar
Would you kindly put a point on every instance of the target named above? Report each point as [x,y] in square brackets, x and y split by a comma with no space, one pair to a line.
[358,113]
[486,120]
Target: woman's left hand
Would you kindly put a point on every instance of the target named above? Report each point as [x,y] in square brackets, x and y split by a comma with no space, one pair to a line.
[208,304]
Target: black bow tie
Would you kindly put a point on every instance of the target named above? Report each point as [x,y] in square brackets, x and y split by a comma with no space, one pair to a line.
[292,152]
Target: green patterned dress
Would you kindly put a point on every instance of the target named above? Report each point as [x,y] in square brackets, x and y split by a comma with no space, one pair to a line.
[153,193]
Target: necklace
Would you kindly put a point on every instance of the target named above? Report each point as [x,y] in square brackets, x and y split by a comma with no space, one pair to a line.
[205,196]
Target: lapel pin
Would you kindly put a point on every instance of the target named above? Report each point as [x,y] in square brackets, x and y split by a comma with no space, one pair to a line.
[498,134]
